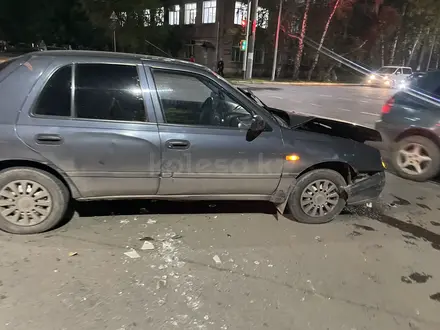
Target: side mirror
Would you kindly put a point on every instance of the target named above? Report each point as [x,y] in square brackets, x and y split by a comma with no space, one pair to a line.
[258,124]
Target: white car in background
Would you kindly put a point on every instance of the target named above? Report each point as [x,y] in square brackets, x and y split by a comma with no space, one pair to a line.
[389,76]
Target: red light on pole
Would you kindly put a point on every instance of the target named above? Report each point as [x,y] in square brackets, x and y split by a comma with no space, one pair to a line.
[254,26]
[243,23]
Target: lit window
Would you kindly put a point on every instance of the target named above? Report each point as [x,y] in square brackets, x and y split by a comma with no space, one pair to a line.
[190,13]
[147,17]
[240,12]
[209,12]
[263,17]
[159,16]
[174,15]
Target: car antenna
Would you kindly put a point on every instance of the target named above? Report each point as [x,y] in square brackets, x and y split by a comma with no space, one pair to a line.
[150,43]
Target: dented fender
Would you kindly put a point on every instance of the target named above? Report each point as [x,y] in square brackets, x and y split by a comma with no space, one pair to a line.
[366,188]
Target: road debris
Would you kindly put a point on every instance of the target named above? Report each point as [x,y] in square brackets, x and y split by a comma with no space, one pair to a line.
[318,238]
[72,254]
[147,246]
[147,239]
[177,236]
[132,254]
[124,222]
[217,259]
[151,221]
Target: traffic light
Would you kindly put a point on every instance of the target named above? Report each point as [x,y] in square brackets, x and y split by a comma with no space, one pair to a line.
[244,23]
[243,45]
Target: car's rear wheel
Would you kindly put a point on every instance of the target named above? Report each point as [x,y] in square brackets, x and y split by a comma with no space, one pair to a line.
[31,201]
[316,197]
[416,158]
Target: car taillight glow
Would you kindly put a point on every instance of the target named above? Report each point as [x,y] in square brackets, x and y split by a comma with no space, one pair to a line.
[388,105]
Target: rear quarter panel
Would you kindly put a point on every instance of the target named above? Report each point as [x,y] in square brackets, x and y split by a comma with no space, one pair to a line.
[14,90]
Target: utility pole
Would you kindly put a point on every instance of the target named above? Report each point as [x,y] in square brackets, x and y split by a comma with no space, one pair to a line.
[248,22]
[277,37]
[250,57]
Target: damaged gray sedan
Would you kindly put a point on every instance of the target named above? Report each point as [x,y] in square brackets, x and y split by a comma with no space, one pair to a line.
[88,126]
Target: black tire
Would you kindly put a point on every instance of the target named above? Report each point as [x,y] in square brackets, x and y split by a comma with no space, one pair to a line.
[432,150]
[58,192]
[294,203]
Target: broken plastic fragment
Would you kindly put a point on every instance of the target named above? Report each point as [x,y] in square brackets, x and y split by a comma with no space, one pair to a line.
[151,221]
[132,254]
[217,259]
[369,205]
[72,254]
[147,246]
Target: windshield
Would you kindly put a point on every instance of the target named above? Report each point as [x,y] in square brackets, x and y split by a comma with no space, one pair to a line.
[386,70]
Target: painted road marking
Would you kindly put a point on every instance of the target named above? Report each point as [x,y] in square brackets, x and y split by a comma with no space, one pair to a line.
[344,109]
[363,101]
[316,105]
[326,95]
[370,114]
[344,99]
[276,97]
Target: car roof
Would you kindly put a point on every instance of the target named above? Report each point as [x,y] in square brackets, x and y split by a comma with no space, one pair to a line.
[91,54]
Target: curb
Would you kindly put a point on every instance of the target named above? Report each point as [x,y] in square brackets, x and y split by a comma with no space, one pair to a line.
[293,83]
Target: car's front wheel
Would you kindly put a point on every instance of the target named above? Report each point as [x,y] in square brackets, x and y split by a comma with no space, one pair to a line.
[316,197]
[31,201]
[416,158]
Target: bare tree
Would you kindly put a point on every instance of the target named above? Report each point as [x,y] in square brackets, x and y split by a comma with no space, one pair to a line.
[301,41]
[324,34]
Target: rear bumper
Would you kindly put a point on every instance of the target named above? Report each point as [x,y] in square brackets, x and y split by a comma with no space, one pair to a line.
[366,189]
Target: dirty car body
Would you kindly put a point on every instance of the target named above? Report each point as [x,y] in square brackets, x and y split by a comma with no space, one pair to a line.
[103,126]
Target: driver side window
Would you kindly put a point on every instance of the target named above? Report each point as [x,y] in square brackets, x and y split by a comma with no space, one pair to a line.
[192,100]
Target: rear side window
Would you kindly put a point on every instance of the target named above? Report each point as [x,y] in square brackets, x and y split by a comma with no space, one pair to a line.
[55,97]
[108,92]
[428,83]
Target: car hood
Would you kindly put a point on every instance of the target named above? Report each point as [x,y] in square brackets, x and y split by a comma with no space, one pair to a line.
[328,126]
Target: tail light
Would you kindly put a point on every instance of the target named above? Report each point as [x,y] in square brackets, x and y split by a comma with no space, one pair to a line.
[387,106]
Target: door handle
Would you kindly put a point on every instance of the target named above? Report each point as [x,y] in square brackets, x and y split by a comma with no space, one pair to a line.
[177,144]
[49,139]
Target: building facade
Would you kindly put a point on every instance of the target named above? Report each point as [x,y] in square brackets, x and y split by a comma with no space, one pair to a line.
[213,30]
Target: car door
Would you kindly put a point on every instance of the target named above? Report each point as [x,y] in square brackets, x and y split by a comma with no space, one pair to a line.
[206,152]
[95,123]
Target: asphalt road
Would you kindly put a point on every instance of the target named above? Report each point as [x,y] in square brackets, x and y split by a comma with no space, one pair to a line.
[234,265]
[358,104]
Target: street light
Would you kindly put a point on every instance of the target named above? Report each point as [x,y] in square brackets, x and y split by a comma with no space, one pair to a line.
[114,22]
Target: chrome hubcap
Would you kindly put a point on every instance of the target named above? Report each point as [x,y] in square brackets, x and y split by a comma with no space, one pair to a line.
[25,203]
[319,198]
[414,159]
